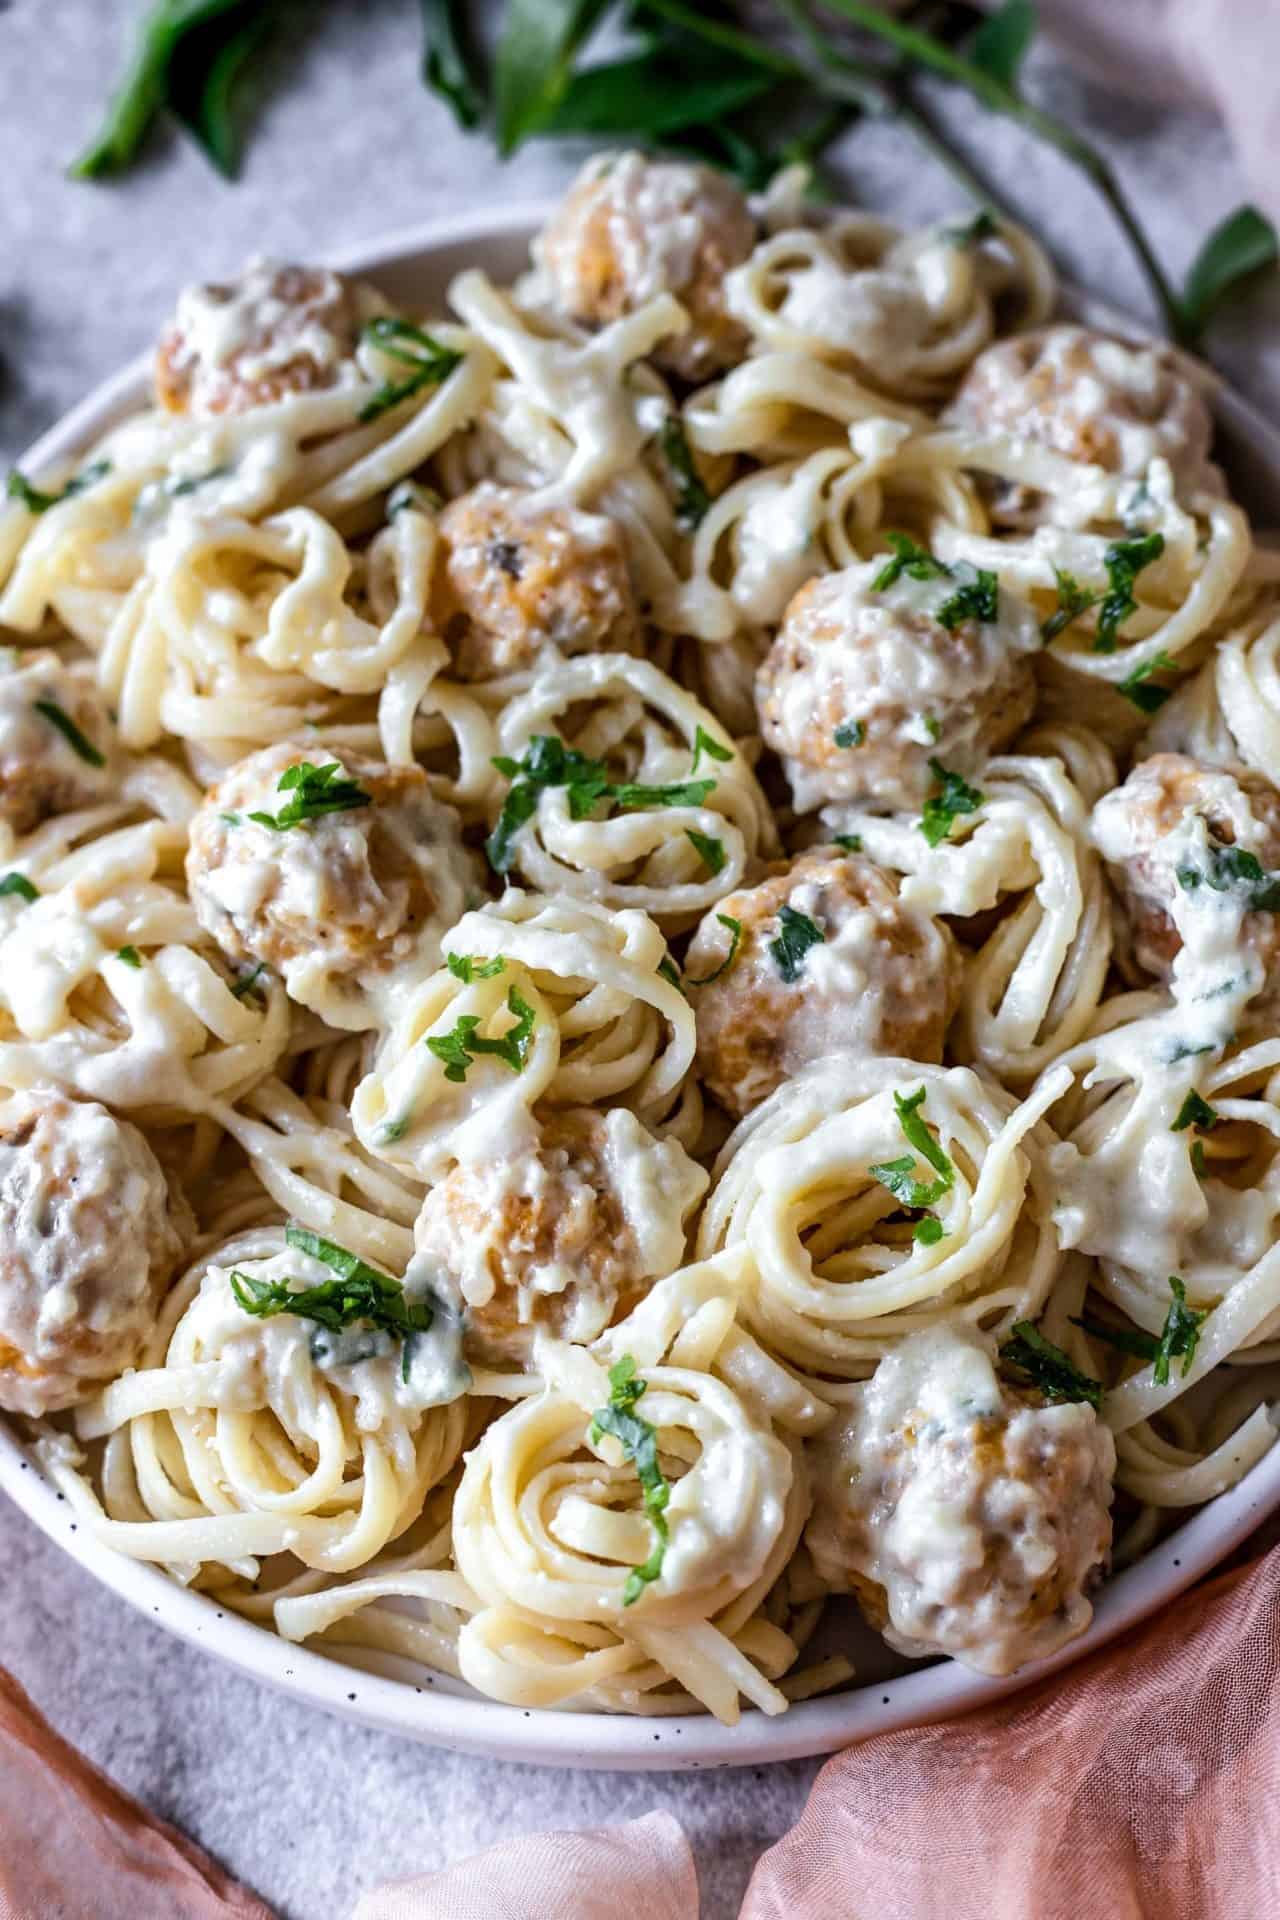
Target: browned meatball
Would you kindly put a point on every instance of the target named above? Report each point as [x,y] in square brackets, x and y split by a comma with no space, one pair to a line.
[1163,835]
[339,896]
[565,1237]
[1092,397]
[630,229]
[519,578]
[89,1235]
[276,330]
[56,739]
[968,1518]
[865,685]
[881,979]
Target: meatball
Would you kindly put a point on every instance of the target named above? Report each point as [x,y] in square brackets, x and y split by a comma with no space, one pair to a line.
[89,1235]
[565,1237]
[630,229]
[276,330]
[55,739]
[880,980]
[970,1519]
[362,871]
[1165,835]
[519,578]
[1091,396]
[866,683]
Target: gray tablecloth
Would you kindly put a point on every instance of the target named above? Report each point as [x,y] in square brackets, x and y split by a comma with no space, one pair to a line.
[311,1811]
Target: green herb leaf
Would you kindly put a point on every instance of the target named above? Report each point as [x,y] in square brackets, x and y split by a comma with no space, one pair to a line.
[1124,1339]
[660,91]
[203,74]
[916,562]
[458,1048]
[1230,868]
[710,851]
[900,1178]
[1073,600]
[467,967]
[547,763]
[972,232]
[668,970]
[692,498]
[703,742]
[66,726]
[18,883]
[402,341]
[796,934]
[639,1443]
[361,1293]
[316,791]
[976,598]
[534,61]
[18,487]
[631,796]
[953,798]
[852,734]
[1199,1165]
[144,90]
[917,1133]
[130,956]
[449,65]
[851,842]
[1180,1335]
[929,1230]
[1124,560]
[1001,42]
[1137,687]
[1195,1111]
[1047,1367]
[1243,244]
[735,940]
[241,988]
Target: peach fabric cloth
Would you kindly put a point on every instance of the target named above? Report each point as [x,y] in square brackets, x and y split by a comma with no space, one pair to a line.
[1147,1782]
[73,1847]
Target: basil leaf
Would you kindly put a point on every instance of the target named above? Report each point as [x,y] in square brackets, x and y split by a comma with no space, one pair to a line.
[449,64]
[533,62]
[204,73]
[653,93]
[1001,42]
[1243,244]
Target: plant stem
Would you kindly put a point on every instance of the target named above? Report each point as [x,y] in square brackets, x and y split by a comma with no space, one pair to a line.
[922,50]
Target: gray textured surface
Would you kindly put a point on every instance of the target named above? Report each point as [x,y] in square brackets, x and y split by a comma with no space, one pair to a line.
[306,1809]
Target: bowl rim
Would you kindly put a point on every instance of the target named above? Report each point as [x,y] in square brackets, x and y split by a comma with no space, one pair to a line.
[434,1713]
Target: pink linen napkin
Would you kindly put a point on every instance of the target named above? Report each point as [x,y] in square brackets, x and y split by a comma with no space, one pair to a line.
[73,1845]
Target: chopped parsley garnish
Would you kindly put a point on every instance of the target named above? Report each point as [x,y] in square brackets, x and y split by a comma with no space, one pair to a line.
[968,233]
[130,956]
[735,941]
[1137,687]
[18,487]
[1178,1339]
[1047,1367]
[668,970]
[1073,600]
[692,498]
[240,989]
[942,809]
[852,734]
[796,934]
[1199,1165]
[704,742]
[916,562]
[458,1048]
[547,763]
[408,493]
[710,851]
[360,1293]
[57,717]
[1231,866]
[399,340]
[467,967]
[639,1443]
[316,791]
[173,487]
[851,842]
[1124,560]
[18,883]
[974,599]
[900,1177]
[932,726]
[1195,1112]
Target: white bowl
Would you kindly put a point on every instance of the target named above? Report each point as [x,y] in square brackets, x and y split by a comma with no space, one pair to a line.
[416,267]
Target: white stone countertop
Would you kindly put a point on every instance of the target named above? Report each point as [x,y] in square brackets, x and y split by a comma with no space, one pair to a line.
[311,1811]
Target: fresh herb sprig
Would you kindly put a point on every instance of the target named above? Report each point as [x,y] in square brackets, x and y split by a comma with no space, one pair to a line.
[1124,560]
[462,1044]
[548,763]
[359,1293]
[901,1176]
[639,1442]
[314,791]
[1177,1340]
[693,81]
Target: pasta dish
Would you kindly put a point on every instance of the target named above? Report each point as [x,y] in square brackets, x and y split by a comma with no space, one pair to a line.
[640,955]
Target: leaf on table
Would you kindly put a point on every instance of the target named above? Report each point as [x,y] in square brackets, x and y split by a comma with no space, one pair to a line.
[1245,243]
